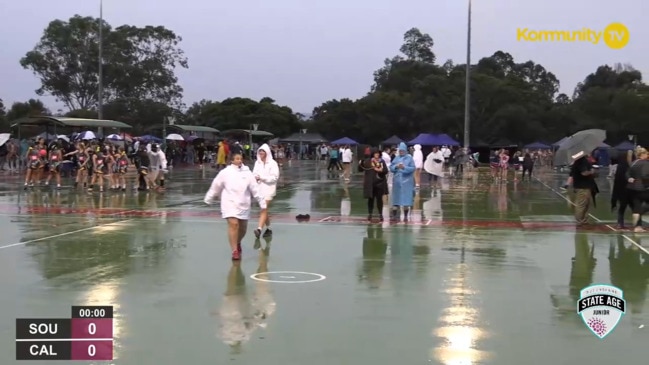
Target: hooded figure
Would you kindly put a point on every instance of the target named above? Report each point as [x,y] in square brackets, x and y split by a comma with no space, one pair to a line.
[418,157]
[266,172]
[403,183]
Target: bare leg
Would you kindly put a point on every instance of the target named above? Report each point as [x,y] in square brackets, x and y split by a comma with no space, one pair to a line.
[233,233]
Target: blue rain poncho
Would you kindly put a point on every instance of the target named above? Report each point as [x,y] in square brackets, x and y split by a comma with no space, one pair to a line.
[403,182]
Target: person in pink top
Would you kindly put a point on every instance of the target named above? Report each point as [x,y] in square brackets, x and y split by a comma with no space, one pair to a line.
[504,165]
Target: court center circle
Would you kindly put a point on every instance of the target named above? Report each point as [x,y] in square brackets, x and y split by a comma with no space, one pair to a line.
[289,277]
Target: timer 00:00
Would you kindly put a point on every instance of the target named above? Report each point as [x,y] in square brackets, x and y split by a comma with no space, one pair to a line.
[94,313]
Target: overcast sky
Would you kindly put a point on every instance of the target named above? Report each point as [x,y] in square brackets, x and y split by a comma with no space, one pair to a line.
[304,52]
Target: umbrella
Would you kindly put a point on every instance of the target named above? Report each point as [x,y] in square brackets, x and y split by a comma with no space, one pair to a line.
[175,137]
[87,135]
[4,137]
[63,137]
[114,137]
[578,145]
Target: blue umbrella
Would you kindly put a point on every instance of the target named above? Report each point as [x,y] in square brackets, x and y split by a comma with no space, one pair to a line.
[86,136]
[150,138]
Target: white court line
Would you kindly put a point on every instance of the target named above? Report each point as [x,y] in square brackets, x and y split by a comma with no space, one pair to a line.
[638,245]
[64,234]
[565,198]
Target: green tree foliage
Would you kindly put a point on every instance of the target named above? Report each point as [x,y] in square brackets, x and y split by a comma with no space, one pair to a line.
[138,63]
[513,100]
[3,117]
[30,108]
[241,113]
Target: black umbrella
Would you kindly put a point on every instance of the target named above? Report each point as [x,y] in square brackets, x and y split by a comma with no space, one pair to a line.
[578,145]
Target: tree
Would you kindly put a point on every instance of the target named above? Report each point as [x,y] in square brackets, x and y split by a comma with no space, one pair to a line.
[418,46]
[3,114]
[137,62]
[240,113]
[30,108]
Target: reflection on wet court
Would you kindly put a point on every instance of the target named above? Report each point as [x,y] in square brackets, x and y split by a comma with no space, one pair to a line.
[485,274]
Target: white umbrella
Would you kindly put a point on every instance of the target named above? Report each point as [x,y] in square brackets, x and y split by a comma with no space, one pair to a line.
[4,137]
[63,137]
[115,137]
[175,137]
[87,135]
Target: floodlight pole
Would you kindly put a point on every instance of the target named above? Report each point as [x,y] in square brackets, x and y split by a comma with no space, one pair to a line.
[467,85]
[100,82]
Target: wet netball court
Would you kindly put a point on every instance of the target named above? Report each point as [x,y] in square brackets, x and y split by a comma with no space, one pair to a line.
[483,275]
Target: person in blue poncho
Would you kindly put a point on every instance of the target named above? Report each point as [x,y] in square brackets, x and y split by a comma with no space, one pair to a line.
[403,183]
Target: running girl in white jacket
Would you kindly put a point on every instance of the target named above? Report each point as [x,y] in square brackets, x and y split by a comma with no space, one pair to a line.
[235,185]
[266,172]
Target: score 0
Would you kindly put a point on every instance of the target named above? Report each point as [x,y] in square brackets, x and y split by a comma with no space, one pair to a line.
[92,333]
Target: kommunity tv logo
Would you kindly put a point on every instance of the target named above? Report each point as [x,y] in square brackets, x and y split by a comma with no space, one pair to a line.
[614,36]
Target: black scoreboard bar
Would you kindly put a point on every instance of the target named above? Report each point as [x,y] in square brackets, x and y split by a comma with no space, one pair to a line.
[92,311]
[86,336]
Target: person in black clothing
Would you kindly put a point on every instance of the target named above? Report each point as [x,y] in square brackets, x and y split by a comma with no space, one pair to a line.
[375,182]
[142,162]
[620,194]
[528,166]
[638,185]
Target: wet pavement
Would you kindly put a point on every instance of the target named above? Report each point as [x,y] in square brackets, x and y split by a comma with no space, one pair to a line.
[483,275]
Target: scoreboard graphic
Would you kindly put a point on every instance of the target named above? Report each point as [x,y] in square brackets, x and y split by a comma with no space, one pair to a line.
[87,335]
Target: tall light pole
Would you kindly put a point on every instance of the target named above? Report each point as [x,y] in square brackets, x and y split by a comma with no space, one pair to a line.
[467,86]
[100,82]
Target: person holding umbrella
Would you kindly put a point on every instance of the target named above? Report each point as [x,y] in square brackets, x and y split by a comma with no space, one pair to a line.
[638,185]
[583,182]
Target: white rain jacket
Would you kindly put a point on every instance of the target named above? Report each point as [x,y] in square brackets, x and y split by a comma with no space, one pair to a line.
[236,186]
[418,157]
[158,158]
[433,167]
[268,173]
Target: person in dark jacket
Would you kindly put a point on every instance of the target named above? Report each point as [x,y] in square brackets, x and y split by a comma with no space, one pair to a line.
[638,184]
[375,182]
[620,195]
[528,166]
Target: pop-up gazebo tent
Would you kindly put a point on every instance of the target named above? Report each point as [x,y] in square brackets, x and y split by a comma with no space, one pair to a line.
[447,140]
[392,141]
[344,141]
[426,139]
[537,146]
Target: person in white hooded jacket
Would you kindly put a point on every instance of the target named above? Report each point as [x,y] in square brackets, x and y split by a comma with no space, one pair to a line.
[157,166]
[235,185]
[266,172]
[418,157]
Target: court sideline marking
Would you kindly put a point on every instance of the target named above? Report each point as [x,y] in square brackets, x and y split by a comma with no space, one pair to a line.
[626,237]
[64,234]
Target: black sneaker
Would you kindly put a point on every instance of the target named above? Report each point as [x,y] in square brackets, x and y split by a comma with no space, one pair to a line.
[257,233]
[268,233]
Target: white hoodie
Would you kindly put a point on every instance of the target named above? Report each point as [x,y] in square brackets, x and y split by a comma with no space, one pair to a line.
[418,157]
[235,185]
[268,173]
[158,159]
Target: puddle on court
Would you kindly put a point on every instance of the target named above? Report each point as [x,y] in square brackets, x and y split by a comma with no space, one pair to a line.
[477,287]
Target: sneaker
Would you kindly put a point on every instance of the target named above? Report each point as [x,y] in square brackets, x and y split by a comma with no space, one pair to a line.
[257,233]
[268,232]
[239,248]
[236,255]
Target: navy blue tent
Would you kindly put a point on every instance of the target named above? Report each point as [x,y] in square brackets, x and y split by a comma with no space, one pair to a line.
[537,146]
[447,140]
[426,139]
[392,140]
[625,146]
[344,141]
